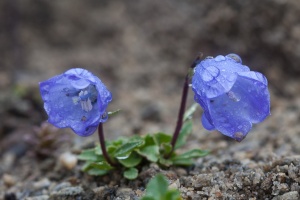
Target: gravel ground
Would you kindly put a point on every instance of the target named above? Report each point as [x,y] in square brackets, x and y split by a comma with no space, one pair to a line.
[141,51]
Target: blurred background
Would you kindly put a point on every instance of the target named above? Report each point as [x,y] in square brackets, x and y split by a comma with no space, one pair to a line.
[141,50]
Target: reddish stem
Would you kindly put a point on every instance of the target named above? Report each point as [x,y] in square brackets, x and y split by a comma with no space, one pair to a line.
[102,145]
[182,106]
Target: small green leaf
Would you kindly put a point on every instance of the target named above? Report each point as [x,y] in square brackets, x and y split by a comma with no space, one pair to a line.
[165,162]
[131,173]
[165,148]
[87,166]
[186,158]
[97,172]
[98,150]
[188,114]
[101,165]
[113,113]
[156,188]
[133,160]
[90,155]
[185,131]
[160,138]
[149,150]
[125,150]
[194,153]
[173,195]
[183,162]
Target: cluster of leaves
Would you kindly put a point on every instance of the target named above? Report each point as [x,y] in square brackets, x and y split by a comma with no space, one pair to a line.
[157,189]
[130,152]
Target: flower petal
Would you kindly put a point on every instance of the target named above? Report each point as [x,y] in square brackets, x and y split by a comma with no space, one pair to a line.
[75,99]
[206,124]
[248,102]
[214,77]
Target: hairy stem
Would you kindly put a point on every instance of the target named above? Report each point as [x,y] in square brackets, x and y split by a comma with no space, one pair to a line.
[102,145]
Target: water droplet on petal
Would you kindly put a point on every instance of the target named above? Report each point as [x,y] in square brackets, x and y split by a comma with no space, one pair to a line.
[209,57]
[233,96]
[231,77]
[220,58]
[235,57]
[209,73]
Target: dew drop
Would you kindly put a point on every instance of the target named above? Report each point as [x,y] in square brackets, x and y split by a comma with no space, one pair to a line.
[235,57]
[220,58]
[233,96]
[231,77]
[209,73]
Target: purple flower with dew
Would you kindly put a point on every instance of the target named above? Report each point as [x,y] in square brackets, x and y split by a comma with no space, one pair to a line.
[76,99]
[232,96]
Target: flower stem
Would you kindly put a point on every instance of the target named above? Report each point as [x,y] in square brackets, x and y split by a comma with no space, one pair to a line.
[182,106]
[102,144]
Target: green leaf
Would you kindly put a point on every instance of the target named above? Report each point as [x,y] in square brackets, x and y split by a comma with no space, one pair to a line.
[87,166]
[173,195]
[98,150]
[101,165]
[149,150]
[156,188]
[165,162]
[151,153]
[194,153]
[131,173]
[183,162]
[133,160]
[125,150]
[90,155]
[160,138]
[97,172]
[188,114]
[166,148]
[113,113]
[186,158]
[184,132]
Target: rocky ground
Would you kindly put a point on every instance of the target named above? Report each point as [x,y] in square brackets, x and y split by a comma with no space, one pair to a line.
[141,51]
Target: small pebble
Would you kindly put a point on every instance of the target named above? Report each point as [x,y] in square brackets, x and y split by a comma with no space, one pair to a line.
[68,160]
[44,183]
[42,197]
[175,185]
[60,186]
[9,180]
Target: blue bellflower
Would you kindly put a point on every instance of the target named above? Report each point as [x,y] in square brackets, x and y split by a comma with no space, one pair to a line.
[232,96]
[76,99]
